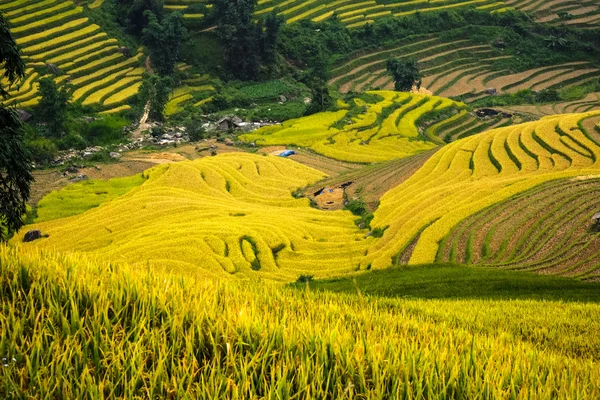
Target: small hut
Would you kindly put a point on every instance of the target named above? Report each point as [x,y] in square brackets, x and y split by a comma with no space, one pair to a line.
[229,123]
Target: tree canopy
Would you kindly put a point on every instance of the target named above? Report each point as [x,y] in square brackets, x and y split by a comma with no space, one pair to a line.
[53,107]
[131,13]
[406,74]
[250,47]
[163,41]
[15,166]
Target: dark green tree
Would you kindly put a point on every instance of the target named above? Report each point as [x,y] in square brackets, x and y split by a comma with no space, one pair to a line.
[250,47]
[163,41]
[270,38]
[406,74]
[53,107]
[237,32]
[194,129]
[316,80]
[15,165]
[156,89]
[131,13]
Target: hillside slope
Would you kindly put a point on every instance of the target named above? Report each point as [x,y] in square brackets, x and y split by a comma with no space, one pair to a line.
[387,125]
[58,33]
[471,174]
[223,216]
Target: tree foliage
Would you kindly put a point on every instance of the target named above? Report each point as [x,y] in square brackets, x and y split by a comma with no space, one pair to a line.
[15,166]
[131,13]
[156,90]
[250,47]
[405,73]
[316,80]
[53,107]
[163,41]
[10,56]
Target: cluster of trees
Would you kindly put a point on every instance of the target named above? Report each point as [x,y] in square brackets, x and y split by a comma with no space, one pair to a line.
[162,35]
[250,47]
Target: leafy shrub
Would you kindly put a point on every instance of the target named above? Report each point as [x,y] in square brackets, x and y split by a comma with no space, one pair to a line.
[305,278]
[42,150]
[72,141]
[104,131]
[157,131]
[356,207]
[378,232]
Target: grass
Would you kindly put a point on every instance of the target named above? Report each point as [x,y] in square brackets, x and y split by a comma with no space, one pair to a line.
[455,281]
[72,327]
[82,196]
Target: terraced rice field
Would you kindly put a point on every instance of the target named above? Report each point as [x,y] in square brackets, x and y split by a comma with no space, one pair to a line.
[591,102]
[57,32]
[352,13]
[355,13]
[469,175]
[373,181]
[229,215]
[547,229]
[454,68]
[389,128]
[581,13]
[234,214]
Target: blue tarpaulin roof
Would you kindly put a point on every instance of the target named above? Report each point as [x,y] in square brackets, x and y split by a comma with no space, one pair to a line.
[287,153]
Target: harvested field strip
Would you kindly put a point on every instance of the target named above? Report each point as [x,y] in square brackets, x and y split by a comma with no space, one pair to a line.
[371,182]
[545,229]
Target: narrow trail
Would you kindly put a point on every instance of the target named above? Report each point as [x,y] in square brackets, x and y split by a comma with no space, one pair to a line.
[143,125]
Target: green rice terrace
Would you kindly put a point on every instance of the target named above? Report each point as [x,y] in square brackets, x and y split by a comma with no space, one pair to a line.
[300,199]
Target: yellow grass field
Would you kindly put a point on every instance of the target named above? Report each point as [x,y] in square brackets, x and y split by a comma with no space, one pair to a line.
[230,215]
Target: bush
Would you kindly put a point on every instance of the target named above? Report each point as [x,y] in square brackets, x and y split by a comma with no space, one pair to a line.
[195,130]
[104,131]
[356,207]
[72,141]
[42,150]
[157,131]
[378,232]
[305,278]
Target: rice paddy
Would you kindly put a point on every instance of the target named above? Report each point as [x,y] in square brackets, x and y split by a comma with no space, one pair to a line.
[454,68]
[227,216]
[471,174]
[56,32]
[385,128]
[79,328]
